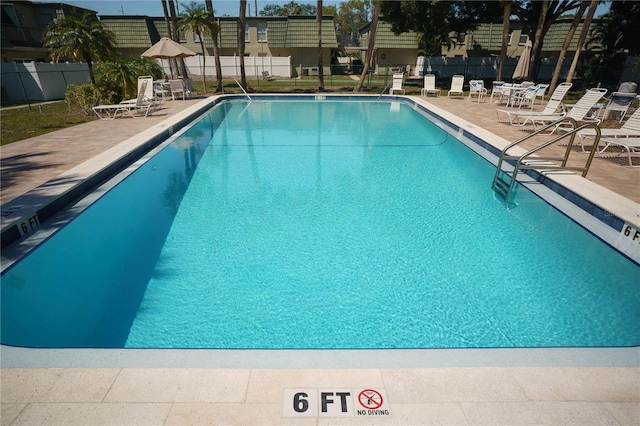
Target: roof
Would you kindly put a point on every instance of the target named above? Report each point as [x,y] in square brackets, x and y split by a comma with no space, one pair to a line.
[136,31]
[385,38]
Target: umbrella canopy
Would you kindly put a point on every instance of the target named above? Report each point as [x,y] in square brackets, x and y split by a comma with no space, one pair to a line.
[167,48]
[522,67]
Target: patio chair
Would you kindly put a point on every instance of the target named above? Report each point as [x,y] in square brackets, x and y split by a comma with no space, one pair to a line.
[619,103]
[139,109]
[476,87]
[555,103]
[631,128]
[581,111]
[397,84]
[429,86]
[457,81]
[496,90]
[161,90]
[177,88]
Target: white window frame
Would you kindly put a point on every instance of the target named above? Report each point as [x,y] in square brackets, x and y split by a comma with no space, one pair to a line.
[262,32]
[246,32]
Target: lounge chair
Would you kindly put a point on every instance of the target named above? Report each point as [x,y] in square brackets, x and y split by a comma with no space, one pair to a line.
[619,103]
[397,84]
[476,87]
[177,88]
[552,107]
[138,109]
[148,91]
[429,86]
[267,76]
[457,81]
[581,111]
[628,144]
[631,128]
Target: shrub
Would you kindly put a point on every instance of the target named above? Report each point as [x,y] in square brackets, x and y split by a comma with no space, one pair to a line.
[85,96]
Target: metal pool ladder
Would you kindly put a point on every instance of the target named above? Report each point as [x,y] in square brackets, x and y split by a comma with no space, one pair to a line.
[508,166]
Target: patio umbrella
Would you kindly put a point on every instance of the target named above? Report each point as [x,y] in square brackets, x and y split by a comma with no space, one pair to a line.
[522,67]
[167,49]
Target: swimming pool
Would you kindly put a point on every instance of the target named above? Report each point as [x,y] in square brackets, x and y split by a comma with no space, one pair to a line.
[339,232]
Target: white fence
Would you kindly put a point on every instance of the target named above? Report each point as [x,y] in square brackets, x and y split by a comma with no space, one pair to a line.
[254,66]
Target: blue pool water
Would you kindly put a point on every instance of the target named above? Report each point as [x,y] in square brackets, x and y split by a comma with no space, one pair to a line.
[304,224]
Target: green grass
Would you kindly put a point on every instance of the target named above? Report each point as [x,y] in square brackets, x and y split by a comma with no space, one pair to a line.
[24,122]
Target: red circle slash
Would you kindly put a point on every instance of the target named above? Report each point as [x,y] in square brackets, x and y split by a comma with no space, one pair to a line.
[370,399]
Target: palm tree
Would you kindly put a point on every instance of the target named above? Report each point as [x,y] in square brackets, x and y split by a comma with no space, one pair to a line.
[320,65]
[241,44]
[195,18]
[372,39]
[121,75]
[173,64]
[81,38]
[214,30]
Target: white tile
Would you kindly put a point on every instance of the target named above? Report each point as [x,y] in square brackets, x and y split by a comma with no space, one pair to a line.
[420,386]
[580,383]
[10,412]
[56,384]
[93,414]
[535,413]
[183,385]
[626,413]
[231,414]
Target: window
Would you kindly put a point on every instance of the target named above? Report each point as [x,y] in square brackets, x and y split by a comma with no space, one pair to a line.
[262,32]
[246,32]
[196,38]
[523,39]
[510,37]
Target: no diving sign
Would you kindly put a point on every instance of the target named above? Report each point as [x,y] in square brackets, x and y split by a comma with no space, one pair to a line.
[335,403]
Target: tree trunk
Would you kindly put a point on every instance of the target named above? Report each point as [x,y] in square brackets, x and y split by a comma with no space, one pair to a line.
[176,35]
[583,35]
[505,35]
[204,63]
[173,65]
[320,65]
[241,43]
[565,45]
[536,48]
[372,39]
[213,29]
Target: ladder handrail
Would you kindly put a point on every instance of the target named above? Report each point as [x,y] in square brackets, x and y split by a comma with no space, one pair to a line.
[382,93]
[519,162]
[242,88]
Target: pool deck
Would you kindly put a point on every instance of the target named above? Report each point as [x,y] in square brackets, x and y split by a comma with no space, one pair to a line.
[519,386]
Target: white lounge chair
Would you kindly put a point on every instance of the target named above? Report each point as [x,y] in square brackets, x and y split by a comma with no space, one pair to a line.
[631,145]
[397,84]
[138,109]
[552,108]
[457,82]
[267,76]
[631,128]
[429,86]
[581,111]
[476,87]
[619,103]
[148,91]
